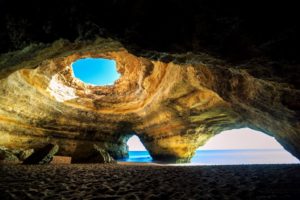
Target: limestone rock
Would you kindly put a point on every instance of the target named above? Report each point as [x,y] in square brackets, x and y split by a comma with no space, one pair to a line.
[6,156]
[102,156]
[97,155]
[24,154]
[14,155]
[43,155]
[173,102]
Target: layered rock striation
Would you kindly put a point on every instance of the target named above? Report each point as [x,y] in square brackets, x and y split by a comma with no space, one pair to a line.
[173,102]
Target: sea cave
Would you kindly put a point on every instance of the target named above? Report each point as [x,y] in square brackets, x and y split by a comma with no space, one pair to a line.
[76,84]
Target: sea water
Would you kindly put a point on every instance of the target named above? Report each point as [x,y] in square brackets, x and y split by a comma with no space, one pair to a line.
[138,156]
[228,157]
[243,156]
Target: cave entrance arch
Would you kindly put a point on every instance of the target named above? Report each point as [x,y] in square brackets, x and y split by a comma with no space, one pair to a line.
[96,71]
[137,151]
[242,146]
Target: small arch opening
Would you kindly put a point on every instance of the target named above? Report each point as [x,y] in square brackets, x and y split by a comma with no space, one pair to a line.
[242,146]
[96,71]
[137,151]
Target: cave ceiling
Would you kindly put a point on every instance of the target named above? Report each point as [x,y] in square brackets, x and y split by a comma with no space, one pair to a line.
[189,70]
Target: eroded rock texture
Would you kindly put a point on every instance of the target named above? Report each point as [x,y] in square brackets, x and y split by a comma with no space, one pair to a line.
[43,155]
[173,102]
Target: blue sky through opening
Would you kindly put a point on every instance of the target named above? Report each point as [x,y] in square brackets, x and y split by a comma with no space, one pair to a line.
[96,71]
[134,144]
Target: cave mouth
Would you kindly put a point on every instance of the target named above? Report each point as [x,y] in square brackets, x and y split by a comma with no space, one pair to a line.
[242,146]
[137,151]
[96,71]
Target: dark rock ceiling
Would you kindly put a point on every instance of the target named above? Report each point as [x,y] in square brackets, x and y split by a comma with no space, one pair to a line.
[236,30]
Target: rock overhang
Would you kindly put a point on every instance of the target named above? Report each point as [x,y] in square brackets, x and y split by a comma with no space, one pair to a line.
[173,104]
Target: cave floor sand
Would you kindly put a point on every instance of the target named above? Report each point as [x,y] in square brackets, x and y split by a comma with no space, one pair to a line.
[132,181]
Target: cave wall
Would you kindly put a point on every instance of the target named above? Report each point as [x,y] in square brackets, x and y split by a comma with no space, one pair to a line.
[173,102]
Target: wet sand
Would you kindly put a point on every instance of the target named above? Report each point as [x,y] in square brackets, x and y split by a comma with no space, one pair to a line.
[141,181]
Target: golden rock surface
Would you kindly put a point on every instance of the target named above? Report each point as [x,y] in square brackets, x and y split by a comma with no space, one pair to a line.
[174,105]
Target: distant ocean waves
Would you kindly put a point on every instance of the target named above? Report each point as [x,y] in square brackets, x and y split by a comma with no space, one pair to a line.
[228,157]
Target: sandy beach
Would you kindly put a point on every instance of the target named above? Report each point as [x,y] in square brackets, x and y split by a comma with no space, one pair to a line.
[141,181]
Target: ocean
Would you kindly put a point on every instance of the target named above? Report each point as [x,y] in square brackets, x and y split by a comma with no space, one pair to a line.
[228,157]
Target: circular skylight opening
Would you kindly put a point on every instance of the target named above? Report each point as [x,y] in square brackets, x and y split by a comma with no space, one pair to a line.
[96,71]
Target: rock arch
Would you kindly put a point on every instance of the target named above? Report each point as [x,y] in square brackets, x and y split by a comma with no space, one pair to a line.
[174,102]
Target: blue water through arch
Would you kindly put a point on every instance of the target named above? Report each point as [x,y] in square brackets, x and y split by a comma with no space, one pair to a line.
[242,146]
[233,147]
[137,151]
[96,71]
